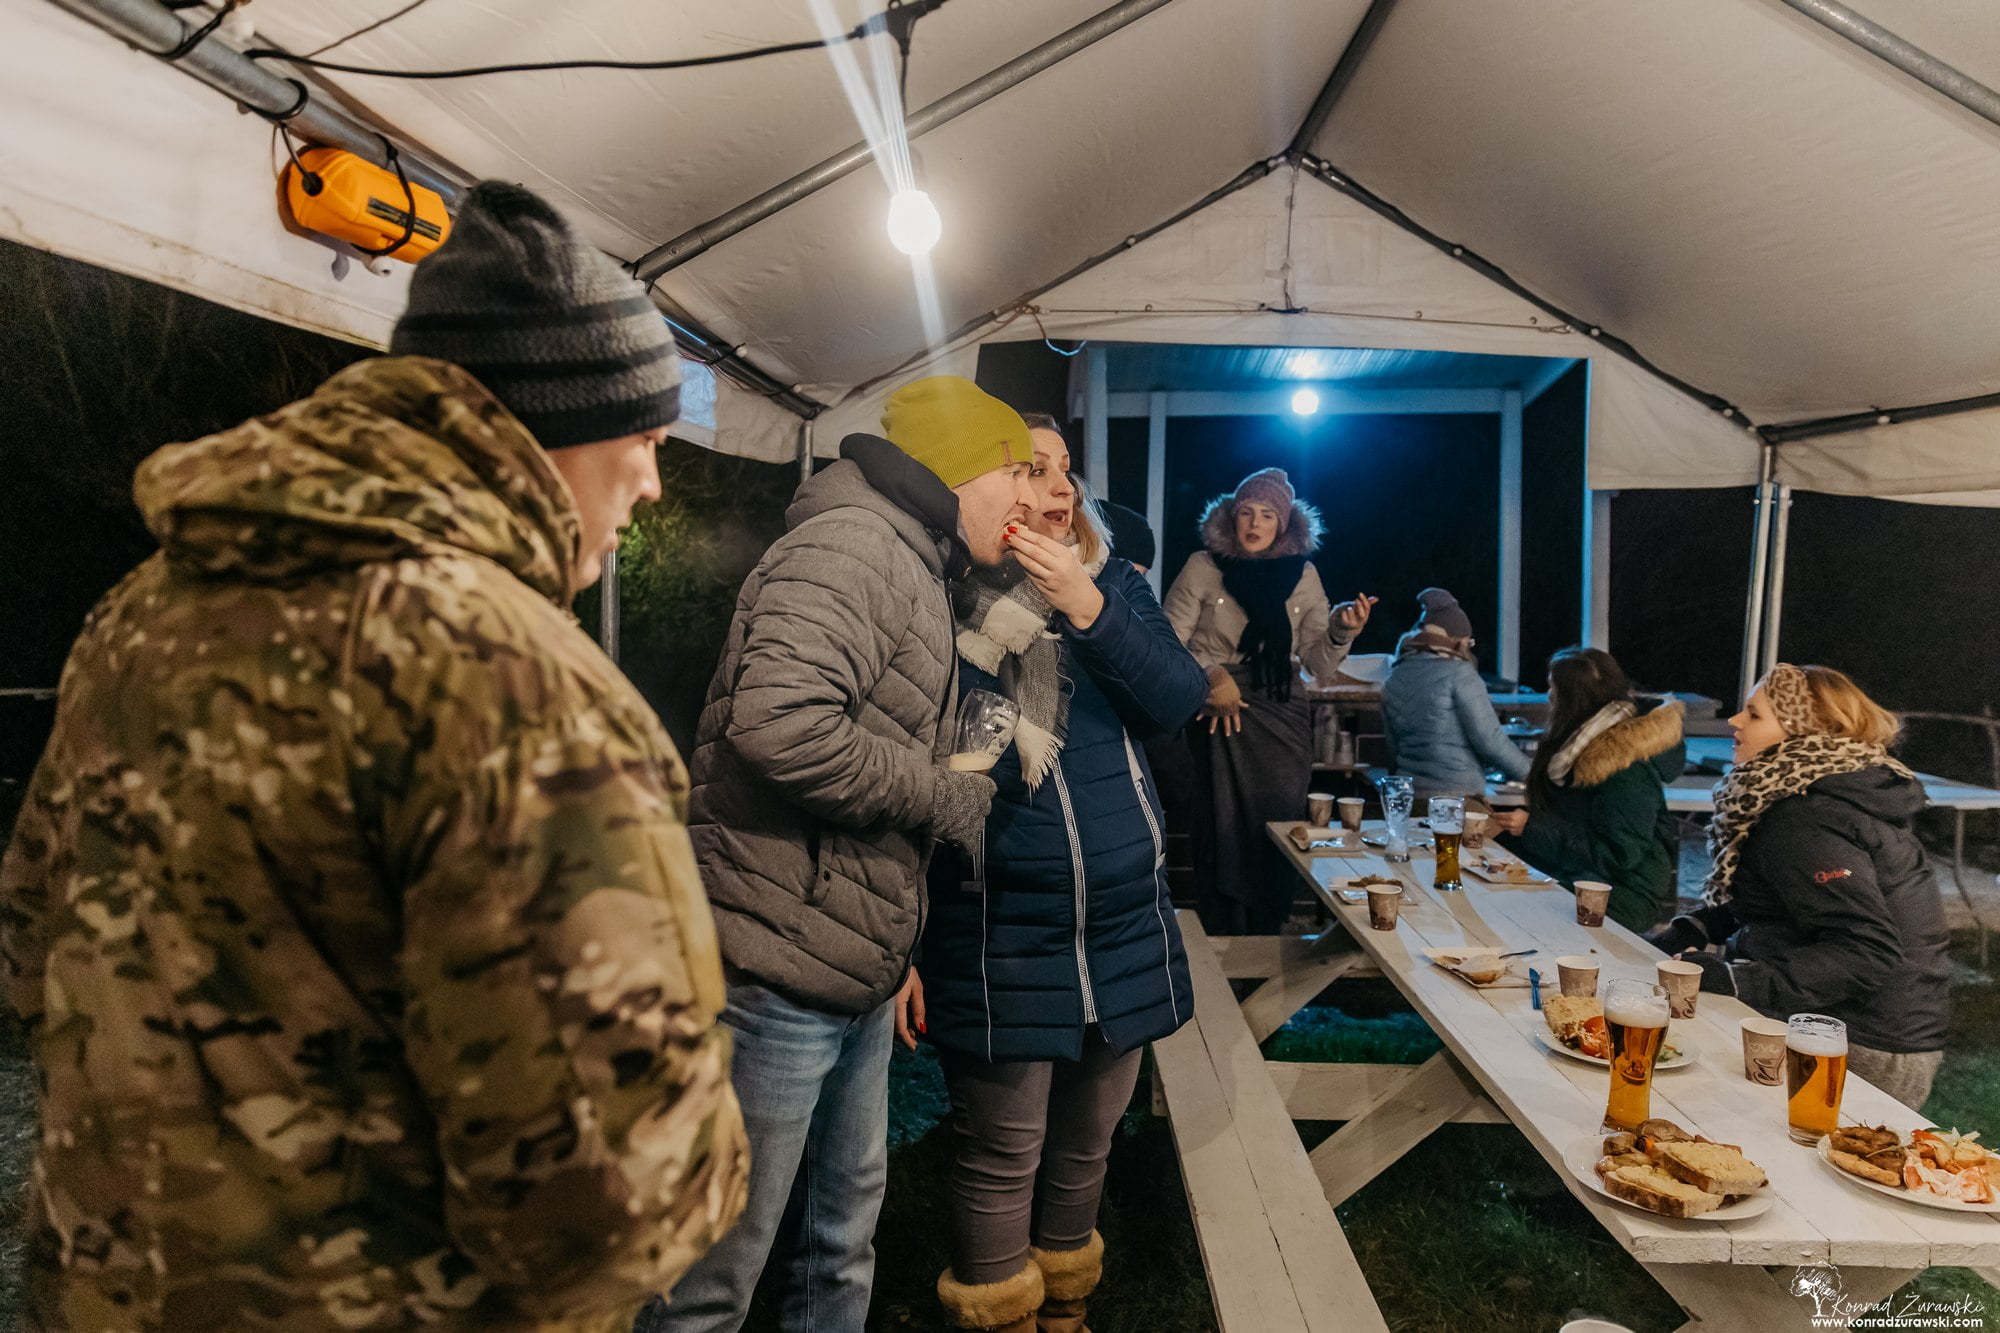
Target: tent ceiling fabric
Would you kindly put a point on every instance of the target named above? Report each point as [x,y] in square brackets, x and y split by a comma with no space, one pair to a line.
[1759,207]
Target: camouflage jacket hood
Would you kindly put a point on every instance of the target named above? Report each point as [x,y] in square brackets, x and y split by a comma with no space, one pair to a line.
[351,910]
[392,457]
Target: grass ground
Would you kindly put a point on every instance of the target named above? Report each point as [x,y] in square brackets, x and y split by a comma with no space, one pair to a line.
[1471,1232]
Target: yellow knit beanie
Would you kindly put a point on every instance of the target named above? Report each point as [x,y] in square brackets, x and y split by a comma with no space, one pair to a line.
[955,428]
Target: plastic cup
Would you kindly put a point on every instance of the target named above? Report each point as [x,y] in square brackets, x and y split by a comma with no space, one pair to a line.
[1319,808]
[1764,1050]
[1577,975]
[1592,899]
[1682,981]
[1385,904]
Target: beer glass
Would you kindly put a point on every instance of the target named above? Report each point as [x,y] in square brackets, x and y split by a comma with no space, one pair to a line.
[1398,795]
[1447,826]
[985,726]
[1815,1072]
[1635,1019]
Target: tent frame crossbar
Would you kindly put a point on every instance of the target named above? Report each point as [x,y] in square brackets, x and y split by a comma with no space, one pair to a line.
[696,240]
[1342,74]
[1911,59]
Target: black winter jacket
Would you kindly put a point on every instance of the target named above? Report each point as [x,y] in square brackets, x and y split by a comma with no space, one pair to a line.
[1063,917]
[1835,911]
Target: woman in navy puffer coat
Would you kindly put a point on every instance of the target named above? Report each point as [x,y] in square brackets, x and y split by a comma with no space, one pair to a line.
[1051,956]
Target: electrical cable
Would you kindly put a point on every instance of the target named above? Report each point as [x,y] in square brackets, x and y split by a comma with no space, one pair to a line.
[897,21]
[384,21]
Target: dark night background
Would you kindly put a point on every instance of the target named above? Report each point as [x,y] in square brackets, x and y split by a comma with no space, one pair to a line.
[99,369]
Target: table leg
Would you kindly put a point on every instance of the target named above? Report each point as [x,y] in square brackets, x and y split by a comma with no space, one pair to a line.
[1365,1146]
[1297,981]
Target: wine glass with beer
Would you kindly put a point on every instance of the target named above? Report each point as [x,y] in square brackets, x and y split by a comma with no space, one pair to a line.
[1447,814]
[985,726]
[1815,1073]
[1635,1020]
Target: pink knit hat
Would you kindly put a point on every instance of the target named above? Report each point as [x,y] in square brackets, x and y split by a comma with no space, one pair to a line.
[1269,487]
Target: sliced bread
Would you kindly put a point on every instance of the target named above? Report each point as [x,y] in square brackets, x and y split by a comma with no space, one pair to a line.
[1657,1192]
[1717,1168]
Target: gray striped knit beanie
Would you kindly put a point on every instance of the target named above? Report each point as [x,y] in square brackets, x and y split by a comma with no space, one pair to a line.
[561,335]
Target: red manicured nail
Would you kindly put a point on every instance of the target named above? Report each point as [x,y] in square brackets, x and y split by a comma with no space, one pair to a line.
[922,1031]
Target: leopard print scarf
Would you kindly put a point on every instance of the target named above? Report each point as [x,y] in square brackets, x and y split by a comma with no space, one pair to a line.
[1786,769]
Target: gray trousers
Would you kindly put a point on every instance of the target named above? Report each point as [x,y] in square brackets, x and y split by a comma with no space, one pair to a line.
[1907,1078]
[1033,1140]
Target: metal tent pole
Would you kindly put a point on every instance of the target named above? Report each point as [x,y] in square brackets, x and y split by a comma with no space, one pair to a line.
[805,451]
[1344,70]
[688,244]
[607,606]
[1774,599]
[1760,550]
[1914,61]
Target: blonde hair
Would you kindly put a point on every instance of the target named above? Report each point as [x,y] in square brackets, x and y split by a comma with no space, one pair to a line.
[1840,706]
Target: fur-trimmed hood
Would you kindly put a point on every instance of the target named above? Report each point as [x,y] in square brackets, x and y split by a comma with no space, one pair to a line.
[1300,537]
[1647,736]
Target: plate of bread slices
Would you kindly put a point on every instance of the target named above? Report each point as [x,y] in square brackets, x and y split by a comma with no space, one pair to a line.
[1664,1170]
[1576,1029]
[1939,1168]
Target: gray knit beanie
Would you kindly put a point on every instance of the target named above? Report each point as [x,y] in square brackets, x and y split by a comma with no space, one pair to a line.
[561,335]
[1437,607]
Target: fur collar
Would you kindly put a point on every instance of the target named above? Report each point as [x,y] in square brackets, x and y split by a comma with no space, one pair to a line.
[1218,529]
[1629,743]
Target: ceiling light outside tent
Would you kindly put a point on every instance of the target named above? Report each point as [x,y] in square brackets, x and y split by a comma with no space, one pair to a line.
[914,225]
[1305,402]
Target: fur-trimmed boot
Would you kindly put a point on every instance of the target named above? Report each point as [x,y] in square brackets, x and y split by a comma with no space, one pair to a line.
[1007,1306]
[1068,1278]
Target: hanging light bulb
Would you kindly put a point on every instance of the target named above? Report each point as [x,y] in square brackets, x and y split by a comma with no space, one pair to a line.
[914,225]
[1305,402]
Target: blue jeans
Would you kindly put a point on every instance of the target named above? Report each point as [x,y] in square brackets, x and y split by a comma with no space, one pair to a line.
[815,1094]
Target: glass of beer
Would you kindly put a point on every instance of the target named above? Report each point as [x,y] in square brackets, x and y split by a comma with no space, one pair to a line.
[1815,1072]
[1447,828]
[1635,1019]
[985,726]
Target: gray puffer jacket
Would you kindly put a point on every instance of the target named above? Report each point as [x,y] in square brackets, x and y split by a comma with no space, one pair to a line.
[818,750]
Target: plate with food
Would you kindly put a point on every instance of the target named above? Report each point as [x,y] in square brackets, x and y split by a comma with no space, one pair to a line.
[1576,1029]
[1502,869]
[1668,1172]
[1481,967]
[1938,1168]
[1356,890]
[1322,841]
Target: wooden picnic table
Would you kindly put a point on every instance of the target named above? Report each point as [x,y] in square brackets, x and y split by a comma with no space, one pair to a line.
[1732,1275]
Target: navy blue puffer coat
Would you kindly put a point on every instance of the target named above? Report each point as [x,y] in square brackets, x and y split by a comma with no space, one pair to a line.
[1063,918]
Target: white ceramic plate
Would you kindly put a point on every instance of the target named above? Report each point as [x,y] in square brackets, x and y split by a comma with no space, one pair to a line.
[1581,1159]
[1923,1197]
[1680,1059]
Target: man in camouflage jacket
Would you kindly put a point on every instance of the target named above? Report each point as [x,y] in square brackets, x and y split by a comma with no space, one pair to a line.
[352,909]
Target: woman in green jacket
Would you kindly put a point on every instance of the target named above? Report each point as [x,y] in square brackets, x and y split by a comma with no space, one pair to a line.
[1597,807]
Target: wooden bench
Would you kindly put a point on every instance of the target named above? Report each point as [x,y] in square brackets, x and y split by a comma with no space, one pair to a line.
[1276,1258]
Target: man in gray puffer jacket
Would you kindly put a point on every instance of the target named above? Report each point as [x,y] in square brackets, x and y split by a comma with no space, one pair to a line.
[820,783]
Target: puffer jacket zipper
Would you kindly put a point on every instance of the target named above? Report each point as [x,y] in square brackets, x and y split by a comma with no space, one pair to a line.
[1077,879]
[1159,865]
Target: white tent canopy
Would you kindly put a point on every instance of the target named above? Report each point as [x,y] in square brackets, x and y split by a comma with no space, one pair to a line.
[1779,222]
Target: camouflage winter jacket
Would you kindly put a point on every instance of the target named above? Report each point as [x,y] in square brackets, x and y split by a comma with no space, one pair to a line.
[352,910]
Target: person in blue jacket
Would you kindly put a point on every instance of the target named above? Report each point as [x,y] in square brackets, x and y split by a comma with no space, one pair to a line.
[1436,713]
[1051,955]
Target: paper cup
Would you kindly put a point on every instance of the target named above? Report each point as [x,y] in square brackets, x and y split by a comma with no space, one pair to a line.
[1385,903]
[1475,829]
[1319,805]
[1764,1050]
[1577,975]
[1682,981]
[1351,808]
[1592,898]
